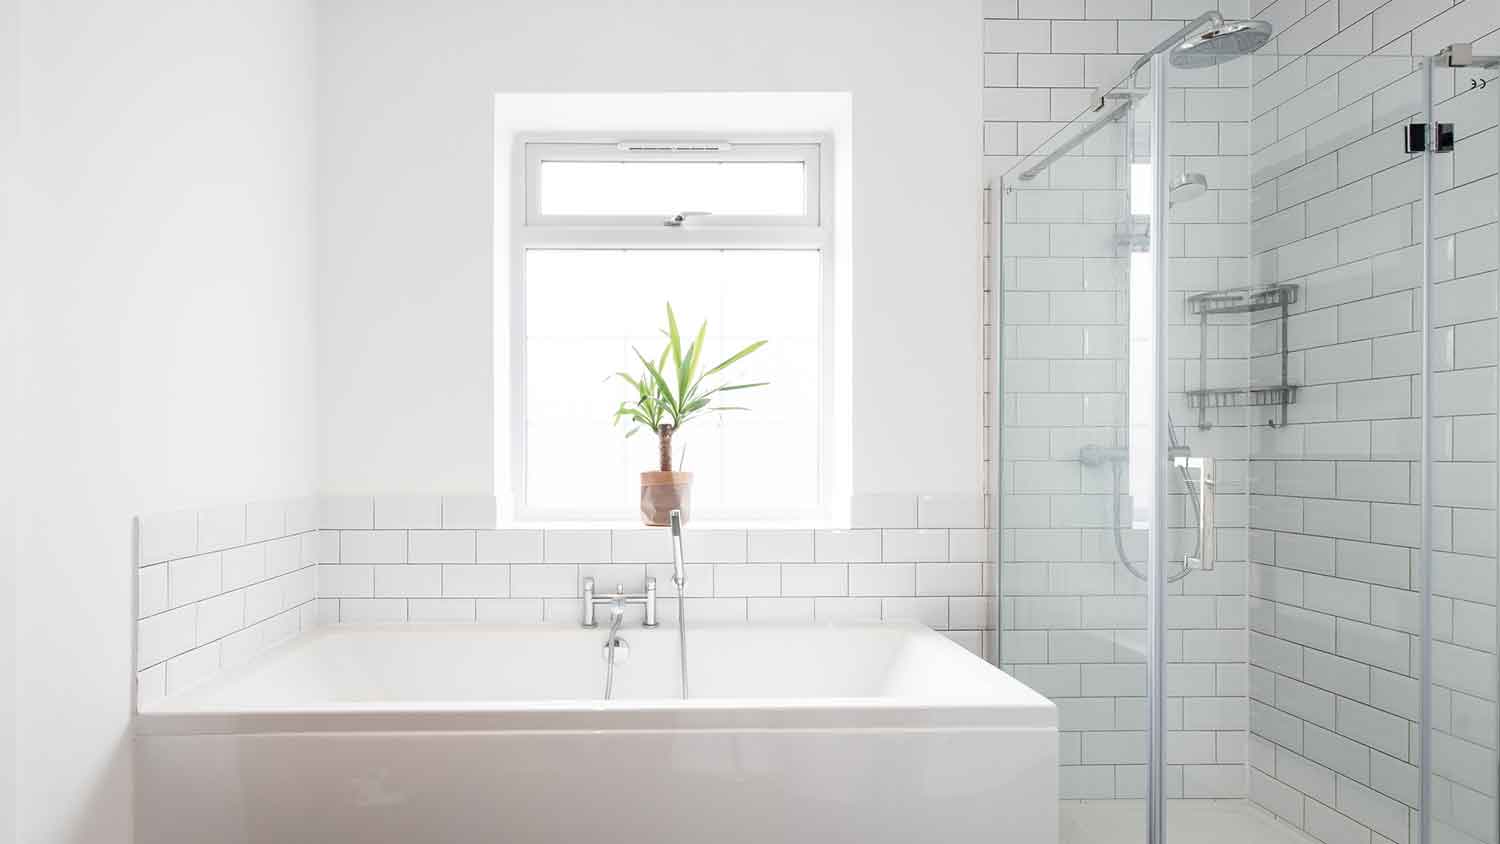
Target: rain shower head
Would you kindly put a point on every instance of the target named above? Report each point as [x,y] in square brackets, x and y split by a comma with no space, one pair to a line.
[1221,44]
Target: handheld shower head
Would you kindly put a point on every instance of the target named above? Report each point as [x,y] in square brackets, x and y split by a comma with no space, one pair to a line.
[1187,187]
[1221,44]
[679,573]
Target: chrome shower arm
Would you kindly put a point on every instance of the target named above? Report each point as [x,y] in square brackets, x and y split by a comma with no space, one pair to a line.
[1105,95]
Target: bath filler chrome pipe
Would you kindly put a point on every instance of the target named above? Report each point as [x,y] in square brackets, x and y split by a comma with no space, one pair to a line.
[679,577]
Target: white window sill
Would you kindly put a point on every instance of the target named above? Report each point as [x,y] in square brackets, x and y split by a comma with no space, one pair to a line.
[690,525]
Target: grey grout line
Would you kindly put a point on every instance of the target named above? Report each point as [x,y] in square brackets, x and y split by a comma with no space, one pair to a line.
[296,608]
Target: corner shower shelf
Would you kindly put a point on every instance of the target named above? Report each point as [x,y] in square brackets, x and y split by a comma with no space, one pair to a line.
[1241,300]
[1231,397]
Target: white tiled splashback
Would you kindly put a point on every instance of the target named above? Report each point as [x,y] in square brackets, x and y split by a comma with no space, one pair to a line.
[217,586]
[422,559]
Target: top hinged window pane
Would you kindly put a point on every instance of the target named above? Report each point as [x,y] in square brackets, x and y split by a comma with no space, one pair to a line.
[649,183]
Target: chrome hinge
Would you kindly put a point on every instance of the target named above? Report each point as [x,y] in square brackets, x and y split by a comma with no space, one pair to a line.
[1462,55]
[1418,134]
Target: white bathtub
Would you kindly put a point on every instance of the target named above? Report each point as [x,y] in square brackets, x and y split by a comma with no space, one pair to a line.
[411,733]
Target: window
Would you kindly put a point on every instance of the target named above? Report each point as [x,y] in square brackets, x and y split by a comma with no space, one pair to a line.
[734,233]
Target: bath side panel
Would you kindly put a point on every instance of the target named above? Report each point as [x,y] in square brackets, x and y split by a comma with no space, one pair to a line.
[664,787]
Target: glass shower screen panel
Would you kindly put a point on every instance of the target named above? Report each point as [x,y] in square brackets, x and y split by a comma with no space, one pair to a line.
[1072,612]
[1210,307]
[1457,215]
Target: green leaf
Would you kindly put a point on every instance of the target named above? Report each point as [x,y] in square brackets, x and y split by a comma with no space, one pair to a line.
[658,400]
[664,393]
[661,363]
[639,387]
[625,411]
[734,357]
[682,374]
[675,338]
[696,354]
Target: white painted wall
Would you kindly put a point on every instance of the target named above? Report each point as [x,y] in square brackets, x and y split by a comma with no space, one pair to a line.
[405,210]
[9,299]
[166,332]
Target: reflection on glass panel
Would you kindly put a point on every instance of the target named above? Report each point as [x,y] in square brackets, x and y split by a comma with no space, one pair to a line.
[586,312]
[1464,247]
[603,188]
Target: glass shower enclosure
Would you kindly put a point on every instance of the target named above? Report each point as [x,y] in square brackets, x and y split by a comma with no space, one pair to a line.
[1244,484]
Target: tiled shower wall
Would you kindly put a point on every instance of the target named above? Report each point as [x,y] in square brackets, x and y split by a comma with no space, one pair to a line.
[217,586]
[441,559]
[1073,620]
[1334,516]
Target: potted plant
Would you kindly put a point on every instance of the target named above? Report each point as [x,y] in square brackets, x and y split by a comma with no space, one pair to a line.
[668,394]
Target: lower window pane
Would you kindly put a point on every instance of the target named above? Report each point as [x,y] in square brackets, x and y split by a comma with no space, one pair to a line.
[586,309]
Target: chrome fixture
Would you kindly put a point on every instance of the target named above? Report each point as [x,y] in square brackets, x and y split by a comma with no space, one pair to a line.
[1462,55]
[1200,493]
[615,648]
[679,579]
[1121,104]
[1188,187]
[1135,233]
[679,574]
[1222,43]
[1243,300]
[1205,41]
[1205,554]
[675,221]
[591,600]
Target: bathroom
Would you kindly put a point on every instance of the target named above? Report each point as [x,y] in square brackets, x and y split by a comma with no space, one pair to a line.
[1143,487]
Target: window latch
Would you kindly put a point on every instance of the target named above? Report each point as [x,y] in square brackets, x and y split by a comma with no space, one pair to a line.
[676,220]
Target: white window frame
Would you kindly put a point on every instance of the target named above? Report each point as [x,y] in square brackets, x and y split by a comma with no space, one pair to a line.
[812,231]
[807,154]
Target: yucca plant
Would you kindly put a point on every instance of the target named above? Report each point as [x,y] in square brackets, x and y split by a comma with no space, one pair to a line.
[671,391]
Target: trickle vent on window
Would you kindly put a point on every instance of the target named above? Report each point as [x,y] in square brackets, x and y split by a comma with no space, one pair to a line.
[668,146]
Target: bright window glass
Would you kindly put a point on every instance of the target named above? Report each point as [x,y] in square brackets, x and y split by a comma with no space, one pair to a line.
[585,308]
[660,188]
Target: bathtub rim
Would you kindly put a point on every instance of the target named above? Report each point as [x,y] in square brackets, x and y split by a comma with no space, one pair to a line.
[1020,707]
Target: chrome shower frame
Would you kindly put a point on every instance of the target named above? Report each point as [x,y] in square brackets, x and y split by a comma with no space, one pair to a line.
[1108,94]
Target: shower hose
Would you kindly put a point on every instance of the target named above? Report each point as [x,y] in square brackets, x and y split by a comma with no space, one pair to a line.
[1192,490]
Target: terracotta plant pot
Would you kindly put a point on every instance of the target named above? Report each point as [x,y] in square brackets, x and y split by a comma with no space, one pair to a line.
[663,492]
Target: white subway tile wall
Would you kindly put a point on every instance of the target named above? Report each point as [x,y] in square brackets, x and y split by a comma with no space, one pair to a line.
[928,567]
[1304,143]
[1334,610]
[215,587]
[1073,619]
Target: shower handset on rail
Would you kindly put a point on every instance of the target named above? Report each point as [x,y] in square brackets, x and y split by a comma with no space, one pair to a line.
[679,578]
